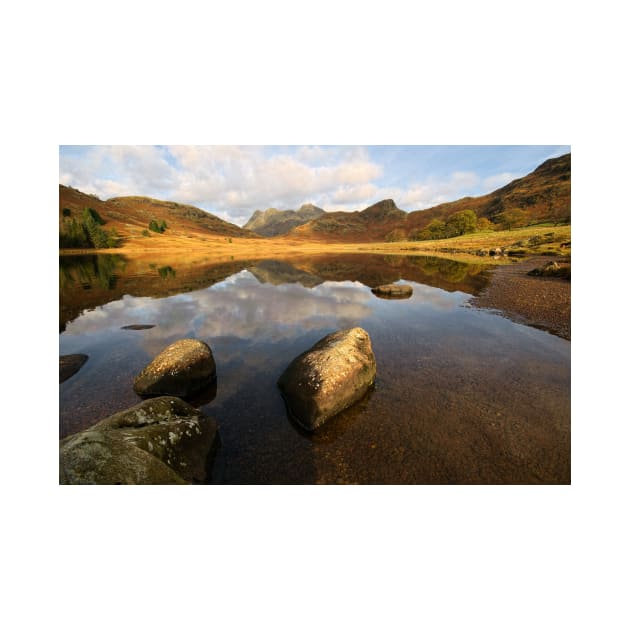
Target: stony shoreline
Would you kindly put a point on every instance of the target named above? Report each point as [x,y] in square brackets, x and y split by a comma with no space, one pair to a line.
[536,301]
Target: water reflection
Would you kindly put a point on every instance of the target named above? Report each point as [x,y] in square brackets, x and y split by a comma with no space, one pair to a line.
[106,278]
[454,395]
[167,272]
[84,271]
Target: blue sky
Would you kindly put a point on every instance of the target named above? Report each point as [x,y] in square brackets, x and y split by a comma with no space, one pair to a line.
[233,181]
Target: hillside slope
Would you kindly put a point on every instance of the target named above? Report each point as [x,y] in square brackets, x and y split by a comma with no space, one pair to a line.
[130,217]
[371,224]
[544,194]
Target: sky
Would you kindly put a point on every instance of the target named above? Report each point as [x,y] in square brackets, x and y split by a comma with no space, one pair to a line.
[234,181]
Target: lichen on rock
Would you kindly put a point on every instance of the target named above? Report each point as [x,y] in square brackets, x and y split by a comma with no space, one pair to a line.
[329,377]
[135,446]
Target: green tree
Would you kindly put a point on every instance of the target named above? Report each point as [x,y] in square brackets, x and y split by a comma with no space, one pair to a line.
[418,235]
[462,222]
[436,229]
[96,234]
[94,215]
[512,218]
[73,235]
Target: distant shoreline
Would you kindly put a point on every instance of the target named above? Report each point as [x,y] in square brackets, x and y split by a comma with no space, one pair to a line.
[464,248]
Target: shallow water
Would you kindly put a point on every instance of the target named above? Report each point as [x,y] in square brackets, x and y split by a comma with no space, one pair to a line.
[461,396]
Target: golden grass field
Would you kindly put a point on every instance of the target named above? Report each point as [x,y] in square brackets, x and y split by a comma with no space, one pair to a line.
[234,248]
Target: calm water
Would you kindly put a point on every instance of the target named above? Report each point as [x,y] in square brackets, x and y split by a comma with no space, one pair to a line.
[461,396]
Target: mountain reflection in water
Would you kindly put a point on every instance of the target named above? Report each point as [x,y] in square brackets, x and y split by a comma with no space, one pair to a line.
[462,396]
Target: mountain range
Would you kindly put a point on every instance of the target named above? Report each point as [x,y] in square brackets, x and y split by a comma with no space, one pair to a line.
[542,195]
[273,222]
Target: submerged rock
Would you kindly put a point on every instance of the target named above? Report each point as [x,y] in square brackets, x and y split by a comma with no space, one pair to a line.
[393,291]
[70,364]
[334,374]
[159,441]
[138,327]
[182,369]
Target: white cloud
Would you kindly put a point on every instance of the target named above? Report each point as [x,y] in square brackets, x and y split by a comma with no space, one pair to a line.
[416,196]
[354,193]
[233,181]
[118,170]
[240,307]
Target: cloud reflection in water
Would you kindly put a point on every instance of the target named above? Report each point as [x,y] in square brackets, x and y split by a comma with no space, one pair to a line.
[238,307]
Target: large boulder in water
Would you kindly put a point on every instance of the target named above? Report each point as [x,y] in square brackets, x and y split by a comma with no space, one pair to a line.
[160,441]
[334,374]
[182,369]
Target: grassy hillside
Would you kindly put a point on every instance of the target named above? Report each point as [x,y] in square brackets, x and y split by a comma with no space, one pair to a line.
[543,195]
[130,218]
[540,240]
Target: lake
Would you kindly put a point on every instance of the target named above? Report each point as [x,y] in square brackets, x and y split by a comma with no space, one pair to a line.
[462,395]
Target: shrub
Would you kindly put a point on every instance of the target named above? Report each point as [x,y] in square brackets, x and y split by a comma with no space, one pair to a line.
[66,212]
[154,226]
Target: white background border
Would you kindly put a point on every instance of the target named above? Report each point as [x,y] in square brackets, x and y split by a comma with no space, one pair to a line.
[294,73]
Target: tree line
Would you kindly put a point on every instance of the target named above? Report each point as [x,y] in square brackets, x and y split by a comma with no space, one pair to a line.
[86,232]
[463,222]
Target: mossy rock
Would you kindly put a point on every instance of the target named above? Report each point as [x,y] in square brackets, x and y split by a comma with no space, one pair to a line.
[160,441]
